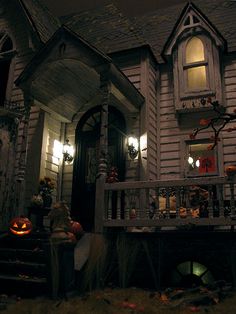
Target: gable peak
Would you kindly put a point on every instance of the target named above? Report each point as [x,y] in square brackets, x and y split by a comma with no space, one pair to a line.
[192,20]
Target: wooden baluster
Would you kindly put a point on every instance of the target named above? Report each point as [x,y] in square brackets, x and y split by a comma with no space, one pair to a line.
[188,204]
[106,204]
[177,192]
[127,205]
[109,210]
[220,199]
[137,202]
[232,201]
[167,203]
[157,203]
[118,202]
[147,204]
[210,201]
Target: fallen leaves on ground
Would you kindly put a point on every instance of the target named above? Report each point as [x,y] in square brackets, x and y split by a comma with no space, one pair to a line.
[122,301]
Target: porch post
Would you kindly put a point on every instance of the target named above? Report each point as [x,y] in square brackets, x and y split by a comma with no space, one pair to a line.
[103,149]
[20,175]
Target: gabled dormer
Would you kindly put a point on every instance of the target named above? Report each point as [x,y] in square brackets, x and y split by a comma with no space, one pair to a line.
[194,47]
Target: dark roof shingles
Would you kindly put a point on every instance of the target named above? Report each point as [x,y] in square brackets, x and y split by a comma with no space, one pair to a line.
[109,30]
[43,21]
[106,28]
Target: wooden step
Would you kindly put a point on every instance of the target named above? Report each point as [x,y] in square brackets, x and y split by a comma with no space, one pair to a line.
[15,267]
[22,254]
[18,262]
[23,278]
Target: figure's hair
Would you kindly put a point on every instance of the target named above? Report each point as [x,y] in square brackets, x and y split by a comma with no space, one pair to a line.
[61,204]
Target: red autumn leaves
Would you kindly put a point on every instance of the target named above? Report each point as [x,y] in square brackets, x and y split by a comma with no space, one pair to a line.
[217,123]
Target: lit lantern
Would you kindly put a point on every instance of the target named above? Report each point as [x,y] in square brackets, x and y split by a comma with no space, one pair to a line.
[133,146]
[68,152]
[20,226]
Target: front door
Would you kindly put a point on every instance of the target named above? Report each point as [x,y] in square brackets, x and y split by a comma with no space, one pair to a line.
[87,158]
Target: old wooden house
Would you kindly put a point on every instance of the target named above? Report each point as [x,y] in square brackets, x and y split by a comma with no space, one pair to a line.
[124,93]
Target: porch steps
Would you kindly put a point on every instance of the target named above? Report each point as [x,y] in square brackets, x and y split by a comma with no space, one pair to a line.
[24,265]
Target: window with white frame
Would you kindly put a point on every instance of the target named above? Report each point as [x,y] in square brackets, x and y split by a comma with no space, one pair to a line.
[195,64]
[201,159]
[195,68]
[194,48]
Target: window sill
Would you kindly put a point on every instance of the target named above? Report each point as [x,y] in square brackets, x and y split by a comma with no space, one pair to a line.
[188,95]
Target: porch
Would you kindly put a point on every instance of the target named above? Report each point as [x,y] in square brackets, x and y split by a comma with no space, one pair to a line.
[152,206]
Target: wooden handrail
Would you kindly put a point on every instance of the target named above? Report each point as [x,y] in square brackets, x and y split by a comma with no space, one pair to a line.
[144,194]
[168,183]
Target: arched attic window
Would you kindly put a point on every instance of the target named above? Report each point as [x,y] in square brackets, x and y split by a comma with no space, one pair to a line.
[6,54]
[196,70]
[195,48]
[195,64]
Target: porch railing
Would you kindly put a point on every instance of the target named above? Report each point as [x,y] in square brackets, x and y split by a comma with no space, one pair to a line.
[12,107]
[170,203]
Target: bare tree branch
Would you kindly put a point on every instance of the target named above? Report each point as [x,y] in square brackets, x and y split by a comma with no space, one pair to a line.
[217,123]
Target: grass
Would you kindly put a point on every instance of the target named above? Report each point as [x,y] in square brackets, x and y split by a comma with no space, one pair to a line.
[116,301]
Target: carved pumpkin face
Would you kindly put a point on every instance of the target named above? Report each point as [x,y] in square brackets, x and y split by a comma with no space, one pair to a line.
[20,226]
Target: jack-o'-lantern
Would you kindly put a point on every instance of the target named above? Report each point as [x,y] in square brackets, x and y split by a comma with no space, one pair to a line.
[20,226]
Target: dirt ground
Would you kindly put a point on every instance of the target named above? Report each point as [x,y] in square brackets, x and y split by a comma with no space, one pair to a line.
[121,301]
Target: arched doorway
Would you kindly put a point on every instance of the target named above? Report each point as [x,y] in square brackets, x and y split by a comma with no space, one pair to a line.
[86,162]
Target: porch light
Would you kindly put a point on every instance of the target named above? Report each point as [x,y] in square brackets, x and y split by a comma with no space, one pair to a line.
[132,147]
[68,151]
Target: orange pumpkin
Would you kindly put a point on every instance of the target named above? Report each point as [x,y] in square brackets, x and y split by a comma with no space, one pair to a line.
[20,226]
[76,228]
[230,170]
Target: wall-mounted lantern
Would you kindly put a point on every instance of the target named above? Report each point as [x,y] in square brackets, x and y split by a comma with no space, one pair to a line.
[68,151]
[133,146]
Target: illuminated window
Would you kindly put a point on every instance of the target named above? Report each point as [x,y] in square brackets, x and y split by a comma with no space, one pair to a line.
[194,50]
[195,64]
[201,160]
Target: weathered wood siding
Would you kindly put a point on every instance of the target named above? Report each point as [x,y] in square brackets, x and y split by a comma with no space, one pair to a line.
[173,134]
[34,147]
[53,162]
[229,143]
[140,69]
[152,125]
[67,175]
[228,138]
[168,128]
[130,65]
[16,26]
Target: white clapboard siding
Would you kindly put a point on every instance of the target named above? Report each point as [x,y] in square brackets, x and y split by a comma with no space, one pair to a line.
[228,138]
[53,163]
[67,175]
[15,24]
[130,66]
[152,125]
[170,133]
[34,138]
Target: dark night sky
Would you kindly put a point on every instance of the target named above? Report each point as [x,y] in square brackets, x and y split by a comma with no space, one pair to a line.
[128,7]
